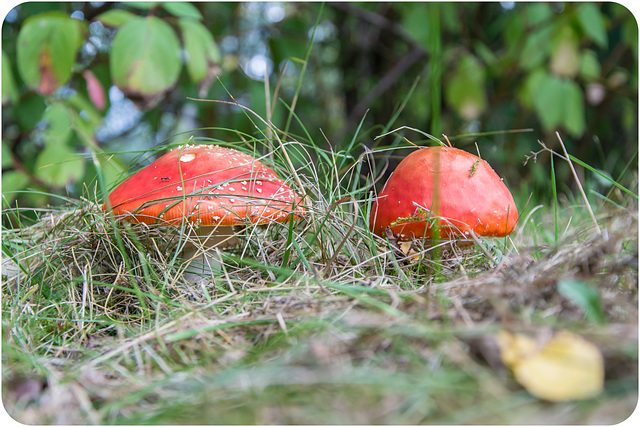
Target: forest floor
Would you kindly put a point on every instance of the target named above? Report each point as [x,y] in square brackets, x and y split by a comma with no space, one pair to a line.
[99,325]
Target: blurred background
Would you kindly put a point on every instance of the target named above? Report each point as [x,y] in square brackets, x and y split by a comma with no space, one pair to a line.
[89,87]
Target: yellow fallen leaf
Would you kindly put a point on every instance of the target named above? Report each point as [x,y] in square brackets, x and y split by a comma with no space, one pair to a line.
[567,367]
[406,249]
[515,347]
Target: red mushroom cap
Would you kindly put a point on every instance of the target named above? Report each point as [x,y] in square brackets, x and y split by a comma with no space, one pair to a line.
[446,183]
[207,185]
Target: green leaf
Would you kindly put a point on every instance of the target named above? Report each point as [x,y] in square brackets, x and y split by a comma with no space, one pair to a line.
[560,102]
[28,112]
[538,13]
[450,16]
[630,34]
[574,108]
[589,65]
[485,53]
[584,296]
[59,129]
[182,9]
[201,49]
[414,24]
[58,165]
[142,5]
[548,102]
[12,182]
[90,115]
[532,82]
[145,57]
[592,23]
[85,118]
[465,91]
[6,155]
[514,33]
[115,17]
[46,50]
[565,55]
[9,89]
[537,47]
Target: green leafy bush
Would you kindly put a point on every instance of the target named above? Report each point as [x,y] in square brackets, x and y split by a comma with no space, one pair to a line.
[87,86]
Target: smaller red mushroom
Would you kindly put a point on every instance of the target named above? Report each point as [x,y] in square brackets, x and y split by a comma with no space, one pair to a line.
[448,186]
[210,187]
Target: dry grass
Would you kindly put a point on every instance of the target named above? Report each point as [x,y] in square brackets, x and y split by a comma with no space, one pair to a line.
[100,327]
[317,323]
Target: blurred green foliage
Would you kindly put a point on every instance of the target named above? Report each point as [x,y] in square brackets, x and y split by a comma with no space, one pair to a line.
[86,86]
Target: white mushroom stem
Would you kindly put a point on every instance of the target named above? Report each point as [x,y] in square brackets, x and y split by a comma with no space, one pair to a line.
[199,251]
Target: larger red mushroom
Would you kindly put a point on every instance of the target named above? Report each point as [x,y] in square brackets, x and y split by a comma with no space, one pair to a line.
[209,187]
[446,186]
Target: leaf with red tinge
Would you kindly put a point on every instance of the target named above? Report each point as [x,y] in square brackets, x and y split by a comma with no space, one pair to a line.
[48,82]
[46,50]
[95,90]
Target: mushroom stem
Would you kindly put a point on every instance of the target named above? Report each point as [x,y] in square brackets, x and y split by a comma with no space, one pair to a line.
[199,251]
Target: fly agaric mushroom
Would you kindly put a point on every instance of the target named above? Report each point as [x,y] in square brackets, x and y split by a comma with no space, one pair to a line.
[455,188]
[208,186]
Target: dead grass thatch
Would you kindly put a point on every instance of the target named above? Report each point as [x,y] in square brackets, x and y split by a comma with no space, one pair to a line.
[103,311]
